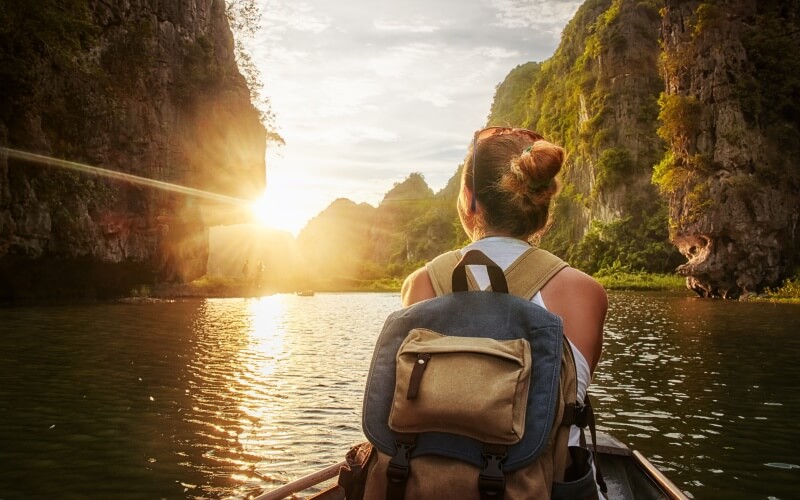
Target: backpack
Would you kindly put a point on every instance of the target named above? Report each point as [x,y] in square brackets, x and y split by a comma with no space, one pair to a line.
[472,394]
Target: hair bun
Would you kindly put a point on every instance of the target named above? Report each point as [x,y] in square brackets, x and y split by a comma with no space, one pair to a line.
[541,163]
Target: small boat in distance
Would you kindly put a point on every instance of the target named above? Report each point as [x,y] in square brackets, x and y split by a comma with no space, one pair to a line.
[304,293]
[628,474]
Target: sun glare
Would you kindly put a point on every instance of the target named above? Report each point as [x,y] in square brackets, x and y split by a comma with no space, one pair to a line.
[262,210]
[286,209]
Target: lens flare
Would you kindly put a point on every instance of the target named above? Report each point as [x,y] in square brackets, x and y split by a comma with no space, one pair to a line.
[122,176]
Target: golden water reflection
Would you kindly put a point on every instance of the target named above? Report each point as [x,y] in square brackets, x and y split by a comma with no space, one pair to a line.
[227,398]
[279,384]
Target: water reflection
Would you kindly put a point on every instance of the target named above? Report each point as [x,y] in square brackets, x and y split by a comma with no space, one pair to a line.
[226,398]
[703,388]
[277,384]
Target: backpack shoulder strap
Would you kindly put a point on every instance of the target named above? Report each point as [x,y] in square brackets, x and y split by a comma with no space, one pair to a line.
[531,271]
[440,271]
[526,275]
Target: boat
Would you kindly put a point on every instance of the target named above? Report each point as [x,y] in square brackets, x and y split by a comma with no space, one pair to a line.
[629,475]
[304,293]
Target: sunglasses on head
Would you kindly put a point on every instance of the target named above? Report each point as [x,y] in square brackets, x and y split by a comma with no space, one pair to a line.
[485,133]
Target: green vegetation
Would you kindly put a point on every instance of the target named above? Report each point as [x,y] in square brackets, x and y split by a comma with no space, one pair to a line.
[244,18]
[613,167]
[509,107]
[788,292]
[140,292]
[583,105]
[640,281]
[636,242]
[58,28]
[680,119]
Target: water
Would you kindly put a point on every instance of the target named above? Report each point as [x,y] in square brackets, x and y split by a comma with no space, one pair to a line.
[225,398]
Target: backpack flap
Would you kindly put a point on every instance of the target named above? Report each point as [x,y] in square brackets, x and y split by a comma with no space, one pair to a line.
[476,387]
[472,315]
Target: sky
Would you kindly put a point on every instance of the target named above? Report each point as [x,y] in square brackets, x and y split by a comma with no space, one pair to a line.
[366,92]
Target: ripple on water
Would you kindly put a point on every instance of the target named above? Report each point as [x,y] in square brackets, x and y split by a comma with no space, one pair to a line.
[250,393]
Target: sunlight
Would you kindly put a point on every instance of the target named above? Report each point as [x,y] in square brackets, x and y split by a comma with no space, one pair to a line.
[266,333]
[290,200]
[261,210]
[120,176]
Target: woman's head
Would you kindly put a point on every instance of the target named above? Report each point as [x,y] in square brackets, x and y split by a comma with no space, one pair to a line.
[510,175]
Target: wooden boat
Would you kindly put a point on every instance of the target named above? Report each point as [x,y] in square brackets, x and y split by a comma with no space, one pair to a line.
[628,474]
[305,293]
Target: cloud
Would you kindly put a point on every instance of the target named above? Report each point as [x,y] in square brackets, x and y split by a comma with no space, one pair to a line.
[363,99]
[298,16]
[350,135]
[418,26]
[536,14]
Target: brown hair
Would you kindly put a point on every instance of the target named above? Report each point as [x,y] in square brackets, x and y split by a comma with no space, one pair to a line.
[515,182]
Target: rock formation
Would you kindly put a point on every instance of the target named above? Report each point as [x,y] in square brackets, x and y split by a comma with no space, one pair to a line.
[731,114]
[720,93]
[145,87]
[597,96]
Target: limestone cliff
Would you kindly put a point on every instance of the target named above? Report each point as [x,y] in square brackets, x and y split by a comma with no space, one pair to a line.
[597,96]
[731,114]
[720,92]
[146,87]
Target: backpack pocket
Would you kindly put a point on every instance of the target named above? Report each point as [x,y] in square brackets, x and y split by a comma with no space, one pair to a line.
[472,386]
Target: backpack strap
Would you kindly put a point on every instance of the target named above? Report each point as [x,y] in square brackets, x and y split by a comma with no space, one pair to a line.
[526,275]
[440,271]
[531,271]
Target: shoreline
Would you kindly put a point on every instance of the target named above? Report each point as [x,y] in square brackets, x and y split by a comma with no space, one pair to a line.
[218,287]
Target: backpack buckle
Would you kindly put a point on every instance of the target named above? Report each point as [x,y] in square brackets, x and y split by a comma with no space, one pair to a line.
[398,468]
[492,481]
[576,414]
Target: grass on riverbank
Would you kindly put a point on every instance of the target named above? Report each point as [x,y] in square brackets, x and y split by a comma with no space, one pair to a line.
[640,281]
[217,286]
[788,292]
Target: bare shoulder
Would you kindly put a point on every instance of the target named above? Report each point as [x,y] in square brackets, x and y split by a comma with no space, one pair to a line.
[582,304]
[417,287]
[575,282]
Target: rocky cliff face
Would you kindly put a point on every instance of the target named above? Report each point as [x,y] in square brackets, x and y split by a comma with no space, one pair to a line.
[598,98]
[145,87]
[731,114]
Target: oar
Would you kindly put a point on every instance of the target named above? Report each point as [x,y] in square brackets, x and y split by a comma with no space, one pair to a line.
[304,482]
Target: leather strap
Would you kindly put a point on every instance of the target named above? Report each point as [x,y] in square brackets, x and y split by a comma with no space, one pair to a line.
[497,279]
[525,276]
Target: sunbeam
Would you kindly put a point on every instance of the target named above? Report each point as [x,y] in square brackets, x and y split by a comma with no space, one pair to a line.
[113,174]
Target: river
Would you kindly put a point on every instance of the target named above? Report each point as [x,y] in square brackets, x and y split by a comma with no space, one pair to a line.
[225,398]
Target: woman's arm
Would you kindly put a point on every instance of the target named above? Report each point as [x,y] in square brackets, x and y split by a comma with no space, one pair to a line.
[417,287]
[582,304]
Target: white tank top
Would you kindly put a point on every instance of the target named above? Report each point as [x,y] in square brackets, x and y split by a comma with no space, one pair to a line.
[504,251]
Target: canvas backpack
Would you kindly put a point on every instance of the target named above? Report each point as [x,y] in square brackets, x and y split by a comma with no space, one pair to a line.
[472,394]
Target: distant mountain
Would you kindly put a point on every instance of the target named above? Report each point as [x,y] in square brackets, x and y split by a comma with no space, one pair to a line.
[333,244]
[348,242]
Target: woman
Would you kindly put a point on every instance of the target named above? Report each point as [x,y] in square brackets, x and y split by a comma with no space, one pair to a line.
[507,185]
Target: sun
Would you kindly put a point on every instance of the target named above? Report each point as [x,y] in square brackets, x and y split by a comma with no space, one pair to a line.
[284,209]
[262,210]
